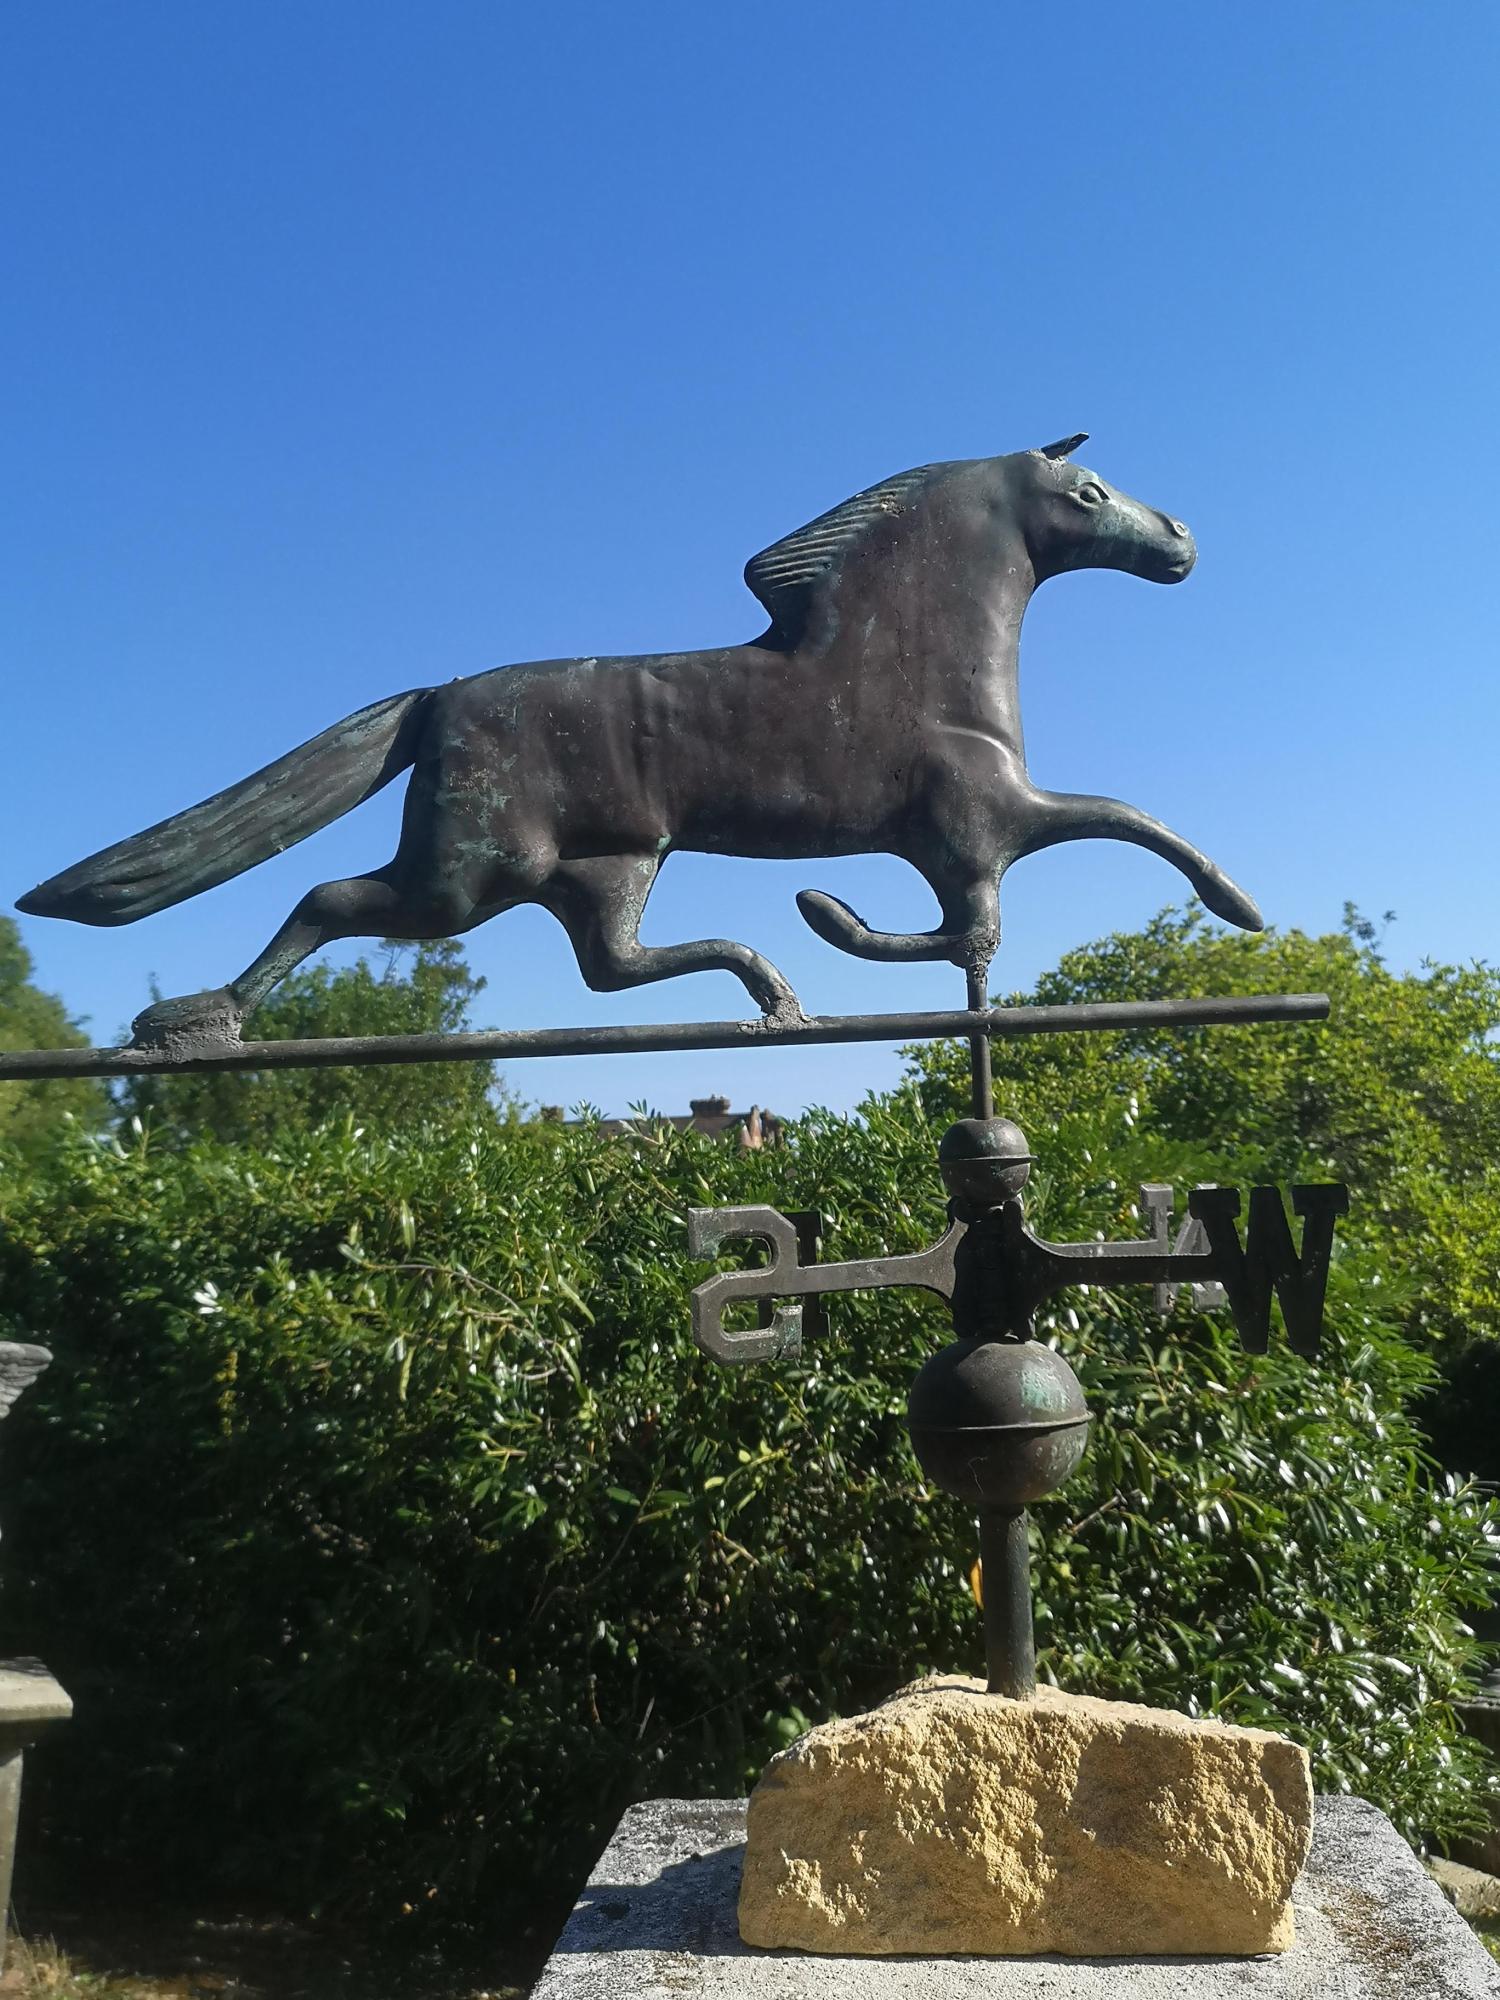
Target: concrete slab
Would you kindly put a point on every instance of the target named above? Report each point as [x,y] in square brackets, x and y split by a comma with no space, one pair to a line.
[657,1922]
[29,1694]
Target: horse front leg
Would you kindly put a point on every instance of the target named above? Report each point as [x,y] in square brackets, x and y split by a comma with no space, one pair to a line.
[1060,816]
[968,935]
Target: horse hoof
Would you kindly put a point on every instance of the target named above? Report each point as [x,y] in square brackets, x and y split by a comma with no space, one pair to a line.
[783,1012]
[192,1023]
[1227,900]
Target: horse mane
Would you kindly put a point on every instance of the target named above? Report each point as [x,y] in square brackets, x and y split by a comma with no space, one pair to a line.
[785,576]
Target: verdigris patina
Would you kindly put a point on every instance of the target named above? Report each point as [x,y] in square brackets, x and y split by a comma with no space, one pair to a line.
[878,713]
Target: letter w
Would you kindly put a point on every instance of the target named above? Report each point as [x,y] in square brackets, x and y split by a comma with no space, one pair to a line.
[1270,1261]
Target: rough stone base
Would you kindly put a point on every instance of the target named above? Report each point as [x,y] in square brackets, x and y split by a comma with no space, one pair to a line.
[657,1921]
[1471,1891]
[950,1820]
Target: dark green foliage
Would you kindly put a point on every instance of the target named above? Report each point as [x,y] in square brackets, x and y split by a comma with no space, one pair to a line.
[33,1114]
[420,989]
[392,1535]
[1398,1094]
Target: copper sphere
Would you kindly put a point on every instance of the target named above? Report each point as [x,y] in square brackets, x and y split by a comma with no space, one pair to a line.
[997,1423]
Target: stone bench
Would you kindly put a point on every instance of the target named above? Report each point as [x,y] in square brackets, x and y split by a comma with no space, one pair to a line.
[657,1922]
[30,1702]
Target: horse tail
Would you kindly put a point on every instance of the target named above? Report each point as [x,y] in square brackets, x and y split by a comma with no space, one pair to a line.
[838,925]
[249,822]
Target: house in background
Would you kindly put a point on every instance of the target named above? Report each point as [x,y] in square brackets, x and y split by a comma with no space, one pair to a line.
[749,1130]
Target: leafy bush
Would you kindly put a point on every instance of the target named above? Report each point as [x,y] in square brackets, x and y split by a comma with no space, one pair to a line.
[392,1535]
[33,1115]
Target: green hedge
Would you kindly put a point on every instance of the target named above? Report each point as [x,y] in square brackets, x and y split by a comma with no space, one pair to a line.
[391,1534]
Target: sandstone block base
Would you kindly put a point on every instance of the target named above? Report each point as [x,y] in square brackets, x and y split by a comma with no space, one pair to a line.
[950,1820]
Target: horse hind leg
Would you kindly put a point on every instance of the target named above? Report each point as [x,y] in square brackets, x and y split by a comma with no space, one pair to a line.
[373,905]
[600,901]
[1060,816]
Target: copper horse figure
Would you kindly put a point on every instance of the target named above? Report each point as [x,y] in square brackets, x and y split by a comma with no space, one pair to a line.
[878,713]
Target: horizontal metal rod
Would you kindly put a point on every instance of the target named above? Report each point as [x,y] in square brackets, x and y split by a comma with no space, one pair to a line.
[513,1045]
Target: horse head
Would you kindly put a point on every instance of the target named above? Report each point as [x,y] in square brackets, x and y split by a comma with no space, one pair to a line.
[1073,519]
[1017,519]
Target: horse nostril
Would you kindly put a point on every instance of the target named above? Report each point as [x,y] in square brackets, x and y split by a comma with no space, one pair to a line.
[1179,528]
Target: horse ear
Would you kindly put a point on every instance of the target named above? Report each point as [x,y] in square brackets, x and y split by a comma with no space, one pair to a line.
[1063,446]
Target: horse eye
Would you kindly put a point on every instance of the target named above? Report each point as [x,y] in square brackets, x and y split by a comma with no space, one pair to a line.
[1091,495]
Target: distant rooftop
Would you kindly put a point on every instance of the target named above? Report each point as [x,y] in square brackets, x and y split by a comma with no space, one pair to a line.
[709,1115]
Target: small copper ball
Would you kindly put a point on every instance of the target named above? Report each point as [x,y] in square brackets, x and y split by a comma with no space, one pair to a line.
[984,1161]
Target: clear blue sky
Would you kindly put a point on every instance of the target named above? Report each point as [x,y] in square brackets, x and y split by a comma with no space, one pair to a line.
[355,346]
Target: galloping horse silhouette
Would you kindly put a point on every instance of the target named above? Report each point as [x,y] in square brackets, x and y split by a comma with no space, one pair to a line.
[879,713]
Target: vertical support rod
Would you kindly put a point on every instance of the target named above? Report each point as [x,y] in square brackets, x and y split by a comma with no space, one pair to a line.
[977,984]
[1009,1648]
